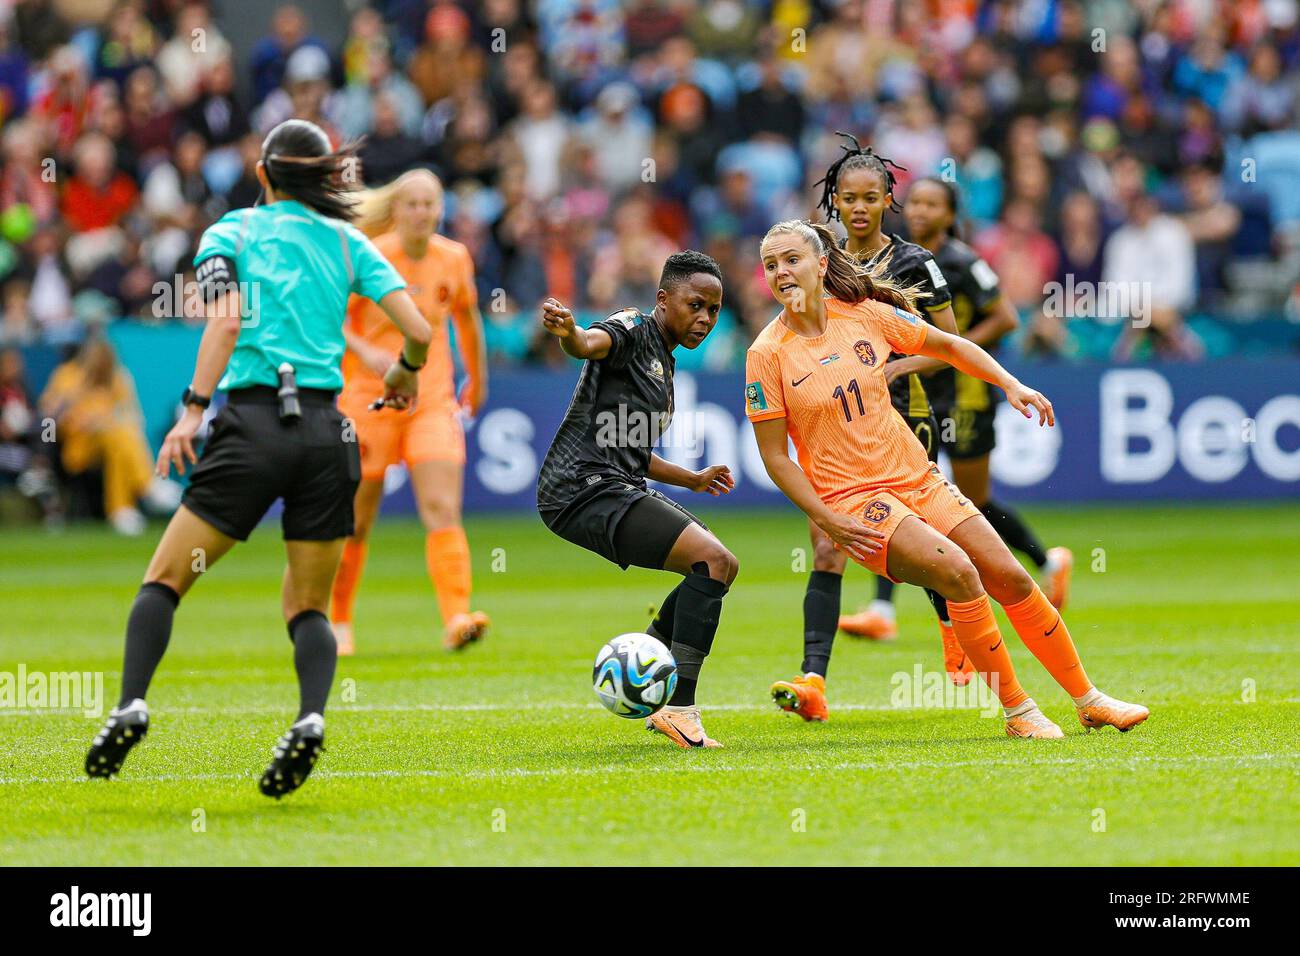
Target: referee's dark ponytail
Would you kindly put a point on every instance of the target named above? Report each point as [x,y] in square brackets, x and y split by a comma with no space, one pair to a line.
[299,164]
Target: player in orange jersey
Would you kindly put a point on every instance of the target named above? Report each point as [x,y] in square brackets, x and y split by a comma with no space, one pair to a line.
[815,375]
[440,275]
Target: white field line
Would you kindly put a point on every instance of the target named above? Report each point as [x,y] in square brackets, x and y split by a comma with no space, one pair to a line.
[624,769]
[434,708]
[474,708]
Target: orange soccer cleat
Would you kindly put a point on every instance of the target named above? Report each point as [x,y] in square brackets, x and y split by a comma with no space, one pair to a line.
[1106,711]
[1032,723]
[1061,563]
[955,662]
[464,629]
[805,696]
[682,726]
[869,624]
[343,637]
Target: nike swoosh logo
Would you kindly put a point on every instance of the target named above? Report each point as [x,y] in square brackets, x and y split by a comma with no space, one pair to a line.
[795,384]
[995,646]
[1054,627]
[693,743]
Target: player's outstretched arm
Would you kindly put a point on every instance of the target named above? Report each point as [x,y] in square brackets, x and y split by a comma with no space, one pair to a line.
[850,534]
[715,479]
[966,356]
[581,343]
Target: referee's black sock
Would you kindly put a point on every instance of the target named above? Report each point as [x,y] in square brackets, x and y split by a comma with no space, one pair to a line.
[315,652]
[699,607]
[662,626]
[884,589]
[821,619]
[148,630]
[1014,532]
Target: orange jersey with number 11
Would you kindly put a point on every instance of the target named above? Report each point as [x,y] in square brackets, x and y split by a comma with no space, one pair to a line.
[831,390]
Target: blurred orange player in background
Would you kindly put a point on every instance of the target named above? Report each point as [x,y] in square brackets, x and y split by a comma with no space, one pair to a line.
[402,217]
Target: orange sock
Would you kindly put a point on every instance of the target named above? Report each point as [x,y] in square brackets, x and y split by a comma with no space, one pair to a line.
[1043,630]
[347,579]
[446,552]
[977,632]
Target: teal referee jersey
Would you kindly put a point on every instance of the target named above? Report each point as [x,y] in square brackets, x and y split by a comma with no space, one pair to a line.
[295,269]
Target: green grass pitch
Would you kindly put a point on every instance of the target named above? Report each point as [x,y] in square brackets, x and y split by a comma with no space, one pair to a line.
[501,755]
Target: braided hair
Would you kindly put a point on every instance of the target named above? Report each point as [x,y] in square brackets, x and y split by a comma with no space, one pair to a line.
[855,157]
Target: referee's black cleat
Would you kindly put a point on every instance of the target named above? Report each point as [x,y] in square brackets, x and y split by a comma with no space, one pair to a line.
[296,754]
[124,729]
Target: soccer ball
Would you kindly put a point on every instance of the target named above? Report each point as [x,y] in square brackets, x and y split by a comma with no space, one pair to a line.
[634,675]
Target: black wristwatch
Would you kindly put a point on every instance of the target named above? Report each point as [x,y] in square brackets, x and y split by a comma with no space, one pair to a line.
[191,397]
[401,358]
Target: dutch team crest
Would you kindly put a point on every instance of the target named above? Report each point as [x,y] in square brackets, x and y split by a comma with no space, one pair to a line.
[865,353]
[876,510]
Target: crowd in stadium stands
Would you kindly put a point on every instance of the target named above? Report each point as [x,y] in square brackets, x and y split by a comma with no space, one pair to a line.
[581,141]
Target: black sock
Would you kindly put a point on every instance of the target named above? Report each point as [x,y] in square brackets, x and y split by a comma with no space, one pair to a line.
[1014,531]
[821,619]
[148,630]
[939,604]
[699,606]
[662,626]
[315,653]
[884,589]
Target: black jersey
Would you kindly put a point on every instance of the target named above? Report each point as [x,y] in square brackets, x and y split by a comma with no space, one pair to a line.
[910,264]
[974,287]
[620,408]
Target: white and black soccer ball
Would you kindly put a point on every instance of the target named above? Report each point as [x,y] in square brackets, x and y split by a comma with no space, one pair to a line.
[634,675]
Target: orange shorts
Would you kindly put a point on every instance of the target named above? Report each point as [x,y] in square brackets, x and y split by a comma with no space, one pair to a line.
[936,501]
[430,433]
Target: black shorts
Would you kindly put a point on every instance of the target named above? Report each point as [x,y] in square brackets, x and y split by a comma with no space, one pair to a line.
[926,430]
[623,524]
[968,432]
[251,458]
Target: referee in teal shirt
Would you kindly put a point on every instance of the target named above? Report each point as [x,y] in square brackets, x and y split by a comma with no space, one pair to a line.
[276,280]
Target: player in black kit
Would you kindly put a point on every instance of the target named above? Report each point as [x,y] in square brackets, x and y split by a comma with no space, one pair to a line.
[857,189]
[592,486]
[966,407]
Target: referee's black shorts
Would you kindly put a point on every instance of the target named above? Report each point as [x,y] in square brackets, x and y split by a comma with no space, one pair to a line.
[251,458]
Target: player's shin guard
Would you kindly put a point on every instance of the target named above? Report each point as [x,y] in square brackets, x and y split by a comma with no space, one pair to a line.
[446,553]
[148,631]
[315,654]
[1043,630]
[699,607]
[347,579]
[662,626]
[977,632]
[1014,532]
[821,614]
